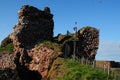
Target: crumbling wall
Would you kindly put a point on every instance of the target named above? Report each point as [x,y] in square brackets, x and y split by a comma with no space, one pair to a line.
[88,42]
[7,66]
[33,26]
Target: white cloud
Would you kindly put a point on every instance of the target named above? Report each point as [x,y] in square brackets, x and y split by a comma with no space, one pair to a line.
[109,51]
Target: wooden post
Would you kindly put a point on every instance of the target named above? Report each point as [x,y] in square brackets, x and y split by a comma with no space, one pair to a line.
[108,64]
[104,67]
[74,51]
[74,42]
[94,63]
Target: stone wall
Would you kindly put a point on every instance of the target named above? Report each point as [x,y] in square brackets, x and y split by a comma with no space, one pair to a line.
[7,67]
[33,25]
[88,42]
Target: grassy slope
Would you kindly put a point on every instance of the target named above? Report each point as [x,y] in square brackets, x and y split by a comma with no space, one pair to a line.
[67,69]
[9,48]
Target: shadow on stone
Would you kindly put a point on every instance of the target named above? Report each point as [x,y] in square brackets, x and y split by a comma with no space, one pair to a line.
[24,73]
[6,74]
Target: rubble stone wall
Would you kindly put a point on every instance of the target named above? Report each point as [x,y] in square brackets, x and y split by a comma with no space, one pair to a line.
[33,25]
[88,42]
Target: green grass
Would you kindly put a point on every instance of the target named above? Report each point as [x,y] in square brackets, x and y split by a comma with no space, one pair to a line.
[48,44]
[68,69]
[9,48]
[82,72]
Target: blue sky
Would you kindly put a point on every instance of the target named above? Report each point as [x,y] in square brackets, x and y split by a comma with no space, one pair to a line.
[101,14]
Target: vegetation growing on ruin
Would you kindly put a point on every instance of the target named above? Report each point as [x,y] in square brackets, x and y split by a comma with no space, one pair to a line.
[8,47]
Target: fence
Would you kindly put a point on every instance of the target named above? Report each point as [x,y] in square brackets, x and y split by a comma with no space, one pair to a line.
[112,72]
